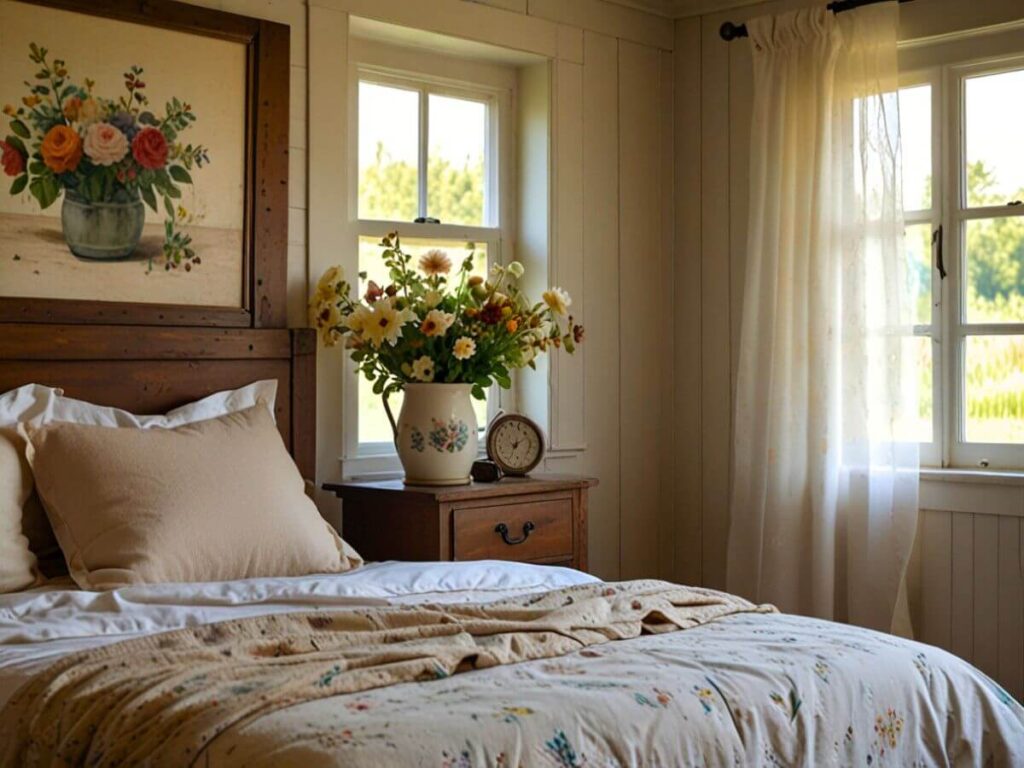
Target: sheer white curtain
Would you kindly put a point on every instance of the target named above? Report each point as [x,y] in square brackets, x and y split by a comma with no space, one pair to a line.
[824,496]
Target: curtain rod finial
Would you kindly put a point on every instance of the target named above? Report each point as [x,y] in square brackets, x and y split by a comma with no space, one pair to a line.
[730,31]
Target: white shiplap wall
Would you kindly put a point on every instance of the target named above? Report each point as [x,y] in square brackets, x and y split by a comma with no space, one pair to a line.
[612,231]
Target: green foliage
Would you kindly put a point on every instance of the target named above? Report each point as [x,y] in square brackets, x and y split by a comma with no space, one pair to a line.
[387,190]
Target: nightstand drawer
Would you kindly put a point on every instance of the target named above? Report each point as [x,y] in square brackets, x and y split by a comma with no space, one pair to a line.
[533,530]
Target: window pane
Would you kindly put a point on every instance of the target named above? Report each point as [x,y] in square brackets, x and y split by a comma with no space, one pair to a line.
[373,421]
[916,132]
[995,162]
[994,385]
[455,166]
[388,152]
[917,240]
[995,270]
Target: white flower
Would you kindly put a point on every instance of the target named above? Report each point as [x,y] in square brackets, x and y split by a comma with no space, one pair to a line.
[516,269]
[431,299]
[423,369]
[465,348]
[384,323]
[558,300]
[437,323]
[355,320]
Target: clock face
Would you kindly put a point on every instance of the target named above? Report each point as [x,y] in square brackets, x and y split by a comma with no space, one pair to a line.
[515,445]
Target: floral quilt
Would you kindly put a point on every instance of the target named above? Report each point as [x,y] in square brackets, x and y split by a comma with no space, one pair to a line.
[744,690]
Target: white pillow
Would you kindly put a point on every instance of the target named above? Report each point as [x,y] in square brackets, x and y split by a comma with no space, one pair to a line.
[22,516]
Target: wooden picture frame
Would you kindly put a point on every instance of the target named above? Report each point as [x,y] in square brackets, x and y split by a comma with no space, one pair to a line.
[265,223]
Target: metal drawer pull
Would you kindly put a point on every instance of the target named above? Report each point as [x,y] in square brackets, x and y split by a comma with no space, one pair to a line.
[503,530]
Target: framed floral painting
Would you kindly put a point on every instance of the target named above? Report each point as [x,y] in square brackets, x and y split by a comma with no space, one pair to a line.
[135,141]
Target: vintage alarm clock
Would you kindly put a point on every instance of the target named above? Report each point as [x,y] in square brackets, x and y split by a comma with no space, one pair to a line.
[515,443]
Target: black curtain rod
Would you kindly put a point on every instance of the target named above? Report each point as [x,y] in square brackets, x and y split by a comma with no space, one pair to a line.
[730,31]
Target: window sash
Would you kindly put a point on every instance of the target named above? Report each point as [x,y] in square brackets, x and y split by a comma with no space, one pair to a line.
[426,87]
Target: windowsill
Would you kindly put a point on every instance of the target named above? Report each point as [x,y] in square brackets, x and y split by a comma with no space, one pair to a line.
[974,476]
[973,491]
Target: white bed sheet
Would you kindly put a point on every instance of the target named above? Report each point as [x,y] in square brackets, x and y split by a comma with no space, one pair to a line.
[39,625]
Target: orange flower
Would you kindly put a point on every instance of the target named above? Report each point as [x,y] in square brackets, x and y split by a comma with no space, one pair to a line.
[62,149]
[512,325]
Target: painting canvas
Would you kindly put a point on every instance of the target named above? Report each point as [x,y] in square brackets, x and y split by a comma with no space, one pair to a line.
[123,160]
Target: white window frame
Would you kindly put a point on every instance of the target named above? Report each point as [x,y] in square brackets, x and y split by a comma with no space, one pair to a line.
[949,329]
[430,73]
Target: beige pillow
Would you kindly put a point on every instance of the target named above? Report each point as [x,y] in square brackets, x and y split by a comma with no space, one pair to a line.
[17,563]
[210,501]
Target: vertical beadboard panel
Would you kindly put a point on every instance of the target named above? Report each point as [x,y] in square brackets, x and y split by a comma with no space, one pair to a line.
[567,427]
[664,296]
[641,360]
[686,448]
[986,594]
[961,640]
[601,286]
[936,531]
[1011,608]
[715,363]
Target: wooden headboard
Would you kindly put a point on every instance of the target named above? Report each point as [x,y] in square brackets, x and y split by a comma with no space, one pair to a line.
[148,369]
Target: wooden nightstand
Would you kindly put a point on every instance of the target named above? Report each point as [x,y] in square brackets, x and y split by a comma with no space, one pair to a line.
[537,519]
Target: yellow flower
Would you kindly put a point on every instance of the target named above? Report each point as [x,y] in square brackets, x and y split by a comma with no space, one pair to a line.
[516,269]
[437,323]
[464,349]
[435,262]
[384,323]
[558,300]
[423,369]
[328,283]
[89,111]
[10,110]
[30,101]
[431,299]
[325,317]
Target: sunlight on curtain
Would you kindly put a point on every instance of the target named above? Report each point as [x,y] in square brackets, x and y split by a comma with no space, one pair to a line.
[824,497]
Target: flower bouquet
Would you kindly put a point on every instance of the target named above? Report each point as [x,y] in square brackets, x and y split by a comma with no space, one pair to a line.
[107,156]
[440,335]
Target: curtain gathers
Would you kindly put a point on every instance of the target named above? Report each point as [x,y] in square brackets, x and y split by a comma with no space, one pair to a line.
[825,482]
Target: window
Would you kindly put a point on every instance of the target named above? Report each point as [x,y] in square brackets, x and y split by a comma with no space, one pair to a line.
[426,163]
[963,173]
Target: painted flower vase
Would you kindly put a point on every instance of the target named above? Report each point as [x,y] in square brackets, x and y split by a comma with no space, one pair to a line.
[436,433]
[104,231]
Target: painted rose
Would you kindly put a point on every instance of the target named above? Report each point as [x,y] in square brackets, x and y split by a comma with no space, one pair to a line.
[104,144]
[149,148]
[89,111]
[61,149]
[11,159]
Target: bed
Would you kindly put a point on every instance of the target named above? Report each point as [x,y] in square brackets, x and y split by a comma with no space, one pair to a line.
[728,684]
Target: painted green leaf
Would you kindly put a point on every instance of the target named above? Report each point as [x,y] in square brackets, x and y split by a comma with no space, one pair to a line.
[169,206]
[20,129]
[15,142]
[148,197]
[19,184]
[45,190]
[180,174]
